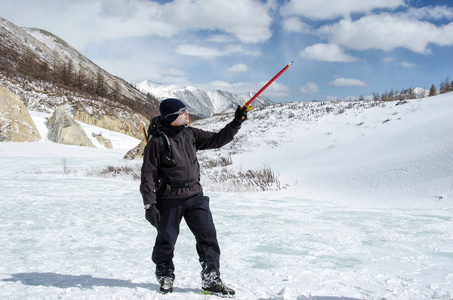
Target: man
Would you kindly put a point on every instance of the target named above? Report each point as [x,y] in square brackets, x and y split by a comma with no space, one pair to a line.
[171,191]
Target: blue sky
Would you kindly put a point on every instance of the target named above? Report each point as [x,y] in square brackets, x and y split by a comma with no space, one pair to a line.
[340,48]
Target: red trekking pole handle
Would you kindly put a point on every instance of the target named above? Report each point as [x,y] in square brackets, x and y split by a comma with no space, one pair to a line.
[247,106]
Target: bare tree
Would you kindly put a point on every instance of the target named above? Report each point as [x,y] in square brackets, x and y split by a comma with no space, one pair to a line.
[100,88]
[69,73]
[28,63]
[445,86]
[432,91]
[376,97]
[55,67]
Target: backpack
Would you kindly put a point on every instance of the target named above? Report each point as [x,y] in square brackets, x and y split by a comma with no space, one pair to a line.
[164,186]
[165,151]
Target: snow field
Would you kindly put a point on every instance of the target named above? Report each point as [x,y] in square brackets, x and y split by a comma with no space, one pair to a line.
[362,217]
[79,237]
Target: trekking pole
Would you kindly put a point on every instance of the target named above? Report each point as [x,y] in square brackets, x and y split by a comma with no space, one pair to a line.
[247,106]
[144,134]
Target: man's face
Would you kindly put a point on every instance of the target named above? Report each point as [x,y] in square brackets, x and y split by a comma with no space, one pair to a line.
[182,119]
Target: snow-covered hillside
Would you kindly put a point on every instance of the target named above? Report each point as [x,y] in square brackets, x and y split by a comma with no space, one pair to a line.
[364,210]
[200,102]
[52,54]
[365,152]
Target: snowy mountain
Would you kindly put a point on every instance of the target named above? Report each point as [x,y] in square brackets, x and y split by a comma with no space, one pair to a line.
[42,47]
[47,72]
[200,102]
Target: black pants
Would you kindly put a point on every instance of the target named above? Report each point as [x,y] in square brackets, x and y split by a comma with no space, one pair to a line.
[198,217]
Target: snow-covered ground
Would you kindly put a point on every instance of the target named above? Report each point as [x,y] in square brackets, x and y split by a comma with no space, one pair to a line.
[367,212]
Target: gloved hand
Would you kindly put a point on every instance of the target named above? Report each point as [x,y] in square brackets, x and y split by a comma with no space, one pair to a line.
[152,215]
[240,116]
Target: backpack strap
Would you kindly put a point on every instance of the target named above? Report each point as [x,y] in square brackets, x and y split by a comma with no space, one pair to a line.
[164,185]
[165,151]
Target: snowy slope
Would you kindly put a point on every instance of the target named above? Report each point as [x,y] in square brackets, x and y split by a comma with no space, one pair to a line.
[200,102]
[367,212]
[360,152]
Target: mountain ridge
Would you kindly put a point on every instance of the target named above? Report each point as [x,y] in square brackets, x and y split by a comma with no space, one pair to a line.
[204,103]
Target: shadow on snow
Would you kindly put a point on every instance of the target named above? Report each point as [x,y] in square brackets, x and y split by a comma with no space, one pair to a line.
[80,281]
[88,282]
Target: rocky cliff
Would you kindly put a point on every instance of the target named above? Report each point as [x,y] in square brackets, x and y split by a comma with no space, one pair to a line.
[16,125]
[64,130]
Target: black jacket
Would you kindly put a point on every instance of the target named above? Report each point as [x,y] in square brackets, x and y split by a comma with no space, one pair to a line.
[184,151]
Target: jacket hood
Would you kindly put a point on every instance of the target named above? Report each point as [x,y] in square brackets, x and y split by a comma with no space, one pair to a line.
[169,130]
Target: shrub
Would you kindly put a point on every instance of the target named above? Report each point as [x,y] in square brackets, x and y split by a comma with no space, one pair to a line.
[113,171]
[210,163]
[252,180]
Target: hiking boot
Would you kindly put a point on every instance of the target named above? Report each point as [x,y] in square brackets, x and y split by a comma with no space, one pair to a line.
[165,276]
[211,284]
[218,288]
[166,284]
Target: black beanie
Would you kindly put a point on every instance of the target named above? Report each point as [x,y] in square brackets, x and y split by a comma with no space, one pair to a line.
[169,106]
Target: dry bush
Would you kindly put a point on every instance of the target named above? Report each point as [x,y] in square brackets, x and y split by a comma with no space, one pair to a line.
[114,171]
[209,163]
[252,180]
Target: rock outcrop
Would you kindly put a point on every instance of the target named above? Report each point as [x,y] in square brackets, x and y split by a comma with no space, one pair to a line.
[136,152]
[64,130]
[16,124]
[103,140]
[130,126]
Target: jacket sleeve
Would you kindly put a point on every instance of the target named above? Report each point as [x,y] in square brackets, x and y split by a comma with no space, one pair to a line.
[149,174]
[210,140]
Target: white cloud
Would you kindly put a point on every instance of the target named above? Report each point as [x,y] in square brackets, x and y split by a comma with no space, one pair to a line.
[310,88]
[142,35]
[210,52]
[122,9]
[274,90]
[239,49]
[239,68]
[329,9]
[396,63]
[429,12]
[347,82]
[406,64]
[250,21]
[327,52]
[294,24]
[81,23]
[85,22]
[221,38]
[388,32]
[136,66]
[199,51]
